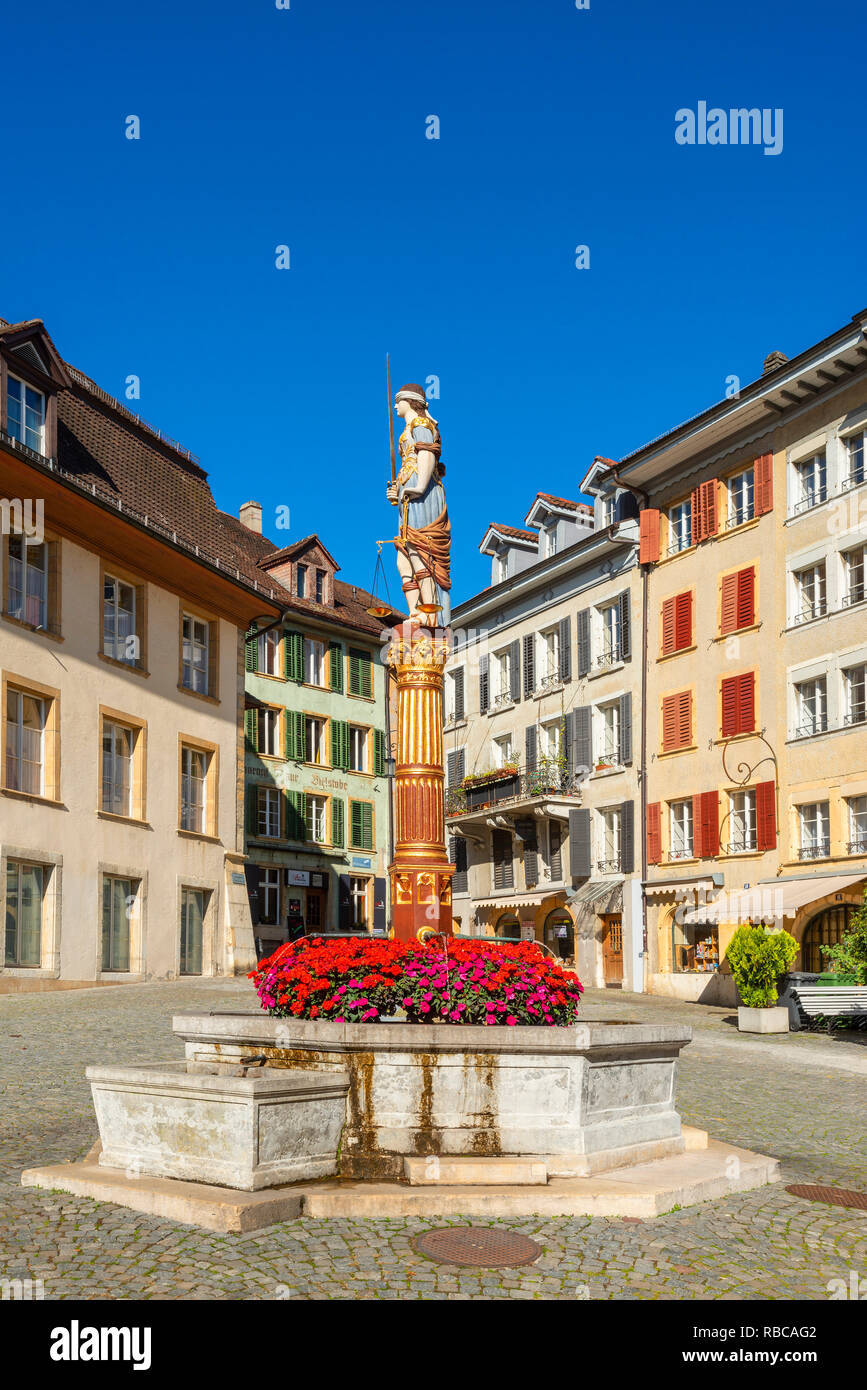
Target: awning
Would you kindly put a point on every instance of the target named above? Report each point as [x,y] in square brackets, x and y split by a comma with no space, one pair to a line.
[605,894]
[510,904]
[768,902]
[663,887]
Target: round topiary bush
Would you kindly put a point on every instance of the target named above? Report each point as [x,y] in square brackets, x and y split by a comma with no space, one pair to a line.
[757,958]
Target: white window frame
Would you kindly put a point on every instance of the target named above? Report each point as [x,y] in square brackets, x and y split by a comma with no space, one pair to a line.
[810,478]
[268,732]
[606,742]
[20,863]
[24,739]
[856,816]
[314,739]
[113,607]
[854,443]
[854,562]
[27,572]
[681,830]
[269,890]
[742,829]
[39,433]
[811,591]
[195,653]
[741,494]
[502,750]
[610,839]
[268,813]
[268,653]
[680,526]
[111,730]
[814,835]
[358,739]
[317,818]
[811,706]
[314,662]
[854,710]
[194,808]
[548,657]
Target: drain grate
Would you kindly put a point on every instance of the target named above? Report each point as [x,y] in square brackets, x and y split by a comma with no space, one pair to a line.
[484,1246]
[834,1196]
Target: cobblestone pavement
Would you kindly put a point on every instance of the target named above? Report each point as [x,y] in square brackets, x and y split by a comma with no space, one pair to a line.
[800,1098]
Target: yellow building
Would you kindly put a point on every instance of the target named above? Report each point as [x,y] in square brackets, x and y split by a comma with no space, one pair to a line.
[123,600]
[753,530]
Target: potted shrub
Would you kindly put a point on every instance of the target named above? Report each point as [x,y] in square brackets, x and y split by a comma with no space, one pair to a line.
[757,957]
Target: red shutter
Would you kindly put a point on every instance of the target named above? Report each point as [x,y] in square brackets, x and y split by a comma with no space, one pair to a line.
[697,841]
[668,626]
[709,823]
[766,816]
[682,621]
[654,837]
[695,517]
[704,510]
[648,547]
[746,597]
[729,700]
[669,722]
[746,702]
[764,483]
[728,610]
[684,719]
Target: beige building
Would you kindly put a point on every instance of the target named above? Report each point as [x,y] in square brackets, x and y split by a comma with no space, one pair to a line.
[541,703]
[753,530]
[123,601]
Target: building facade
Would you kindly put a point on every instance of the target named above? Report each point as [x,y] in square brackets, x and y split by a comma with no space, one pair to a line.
[753,544]
[317,726]
[123,603]
[541,702]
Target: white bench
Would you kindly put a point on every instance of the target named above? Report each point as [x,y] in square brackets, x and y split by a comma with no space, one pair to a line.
[831,1001]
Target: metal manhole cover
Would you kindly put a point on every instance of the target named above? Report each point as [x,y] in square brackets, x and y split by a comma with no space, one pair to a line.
[477,1245]
[834,1196]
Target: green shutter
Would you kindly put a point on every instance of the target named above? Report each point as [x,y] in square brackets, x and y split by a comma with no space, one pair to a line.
[251,728]
[337,817]
[360,673]
[293,656]
[287,733]
[296,812]
[367,825]
[252,810]
[355,825]
[340,744]
[367,677]
[295,735]
[379,753]
[335,661]
[251,643]
[354,673]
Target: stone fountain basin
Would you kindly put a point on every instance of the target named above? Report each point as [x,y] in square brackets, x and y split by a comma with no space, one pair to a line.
[585,1098]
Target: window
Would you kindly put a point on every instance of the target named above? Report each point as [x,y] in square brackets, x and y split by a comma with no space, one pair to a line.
[855,459]
[677,623]
[194,654]
[811,706]
[810,482]
[25,896]
[269,896]
[314,662]
[358,909]
[555,850]
[194,768]
[454,695]
[268,813]
[501,678]
[301,581]
[677,721]
[268,741]
[742,822]
[609,739]
[549,739]
[610,620]
[857,807]
[194,903]
[25,414]
[549,541]
[549,657]
[25,742]
[813,823]
[502,859]
[360,825]
[314,740]
[738,704]
[27,582]
[315,807]
[360,673]
[357,749]
[320,586]
[741,498]
[853,576]
[120,639]
[500,568]
[508,926]
[695,948]
[610,827]
[680,829]
[609,510]
[118,745]
[268,652]
[502,750]
[679,527]
[810,599]
[737,600]
[118,901]
[854,694]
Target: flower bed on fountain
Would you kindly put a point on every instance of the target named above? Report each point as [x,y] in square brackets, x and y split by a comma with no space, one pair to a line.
[460,982]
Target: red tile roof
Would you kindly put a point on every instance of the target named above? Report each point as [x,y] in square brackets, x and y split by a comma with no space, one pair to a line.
[513,531]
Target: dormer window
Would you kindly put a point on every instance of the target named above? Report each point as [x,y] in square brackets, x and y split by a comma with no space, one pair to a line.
[549,541]
[25,414]
[301,581]
[320,586]
[501,569]
[609,510]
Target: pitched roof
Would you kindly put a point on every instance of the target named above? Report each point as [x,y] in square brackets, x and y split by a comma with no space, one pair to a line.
[288,551]
[513,531]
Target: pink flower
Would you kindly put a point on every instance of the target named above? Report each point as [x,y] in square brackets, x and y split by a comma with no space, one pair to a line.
[511,1019]
[407,1002]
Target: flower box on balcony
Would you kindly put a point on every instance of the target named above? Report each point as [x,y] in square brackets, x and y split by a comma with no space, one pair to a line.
[497,774]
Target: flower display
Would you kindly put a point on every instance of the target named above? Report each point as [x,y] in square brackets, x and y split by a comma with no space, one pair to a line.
[365,979]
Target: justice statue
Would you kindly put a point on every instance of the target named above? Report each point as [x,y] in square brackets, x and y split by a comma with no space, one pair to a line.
[423,542]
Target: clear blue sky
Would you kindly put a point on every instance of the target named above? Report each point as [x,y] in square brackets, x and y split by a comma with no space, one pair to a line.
[306,127]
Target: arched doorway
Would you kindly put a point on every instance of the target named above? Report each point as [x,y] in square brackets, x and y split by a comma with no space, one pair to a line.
[508,926]
[825,929]
[560,933]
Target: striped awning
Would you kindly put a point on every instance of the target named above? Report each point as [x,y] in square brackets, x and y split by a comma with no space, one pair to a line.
[605,894]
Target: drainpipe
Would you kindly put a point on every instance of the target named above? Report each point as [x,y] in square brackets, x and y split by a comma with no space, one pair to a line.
[643,498]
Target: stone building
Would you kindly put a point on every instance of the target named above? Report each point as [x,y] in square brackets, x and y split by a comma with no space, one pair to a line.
[541,690]
[123,604]
[318,731]
[753,533]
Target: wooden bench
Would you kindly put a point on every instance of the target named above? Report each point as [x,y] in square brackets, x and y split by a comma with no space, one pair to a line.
[831,1001]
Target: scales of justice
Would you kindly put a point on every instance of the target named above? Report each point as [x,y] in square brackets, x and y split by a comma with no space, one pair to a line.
[418,649]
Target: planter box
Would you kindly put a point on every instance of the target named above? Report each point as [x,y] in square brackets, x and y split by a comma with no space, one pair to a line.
[586,1098]
[771,1020]
[238,1131]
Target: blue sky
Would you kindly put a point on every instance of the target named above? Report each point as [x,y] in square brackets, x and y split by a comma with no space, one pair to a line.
[306,127]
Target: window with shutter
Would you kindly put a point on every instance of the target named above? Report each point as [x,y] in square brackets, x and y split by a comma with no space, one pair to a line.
[555,857]
[251,728]
[530,748]
[653,833]
[337,819]
[293,656]
[627,838]
[582,624]
[625,628]
[738,704]
[706,824]
[583,738]
[360,673]
[458,856]
[335,666]
[766,815]
[529,665]
[624,752]
[565,649]
[579,842]
[676,721]
[515,670]
[378,753]
[737,600]
[676,623]
[251,643]
[648,542]
[501,855]
[705,518]
[484,685]
[764,476]
[458,684]
[360,825]
[296,815]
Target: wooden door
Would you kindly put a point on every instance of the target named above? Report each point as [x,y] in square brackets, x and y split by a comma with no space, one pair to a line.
[612,951]
[314,918]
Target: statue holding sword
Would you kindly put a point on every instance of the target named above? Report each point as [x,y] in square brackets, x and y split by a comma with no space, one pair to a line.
[423,542]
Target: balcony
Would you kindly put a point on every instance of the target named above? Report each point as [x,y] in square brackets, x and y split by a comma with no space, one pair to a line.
[502,701]
[548,682]
[512,790]
[813,499]
[812,727]
[743,844]
[740,516]
[820,850]
[857,715]
[609,866]
[809,611]
[853,479]
[675,855]
[854,595]
[858,846]
[679,545]
[609,656]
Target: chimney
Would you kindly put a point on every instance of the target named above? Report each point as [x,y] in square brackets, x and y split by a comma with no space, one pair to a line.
[250,516]
[773,361]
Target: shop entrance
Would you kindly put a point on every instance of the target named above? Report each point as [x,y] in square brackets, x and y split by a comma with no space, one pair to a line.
[612,951]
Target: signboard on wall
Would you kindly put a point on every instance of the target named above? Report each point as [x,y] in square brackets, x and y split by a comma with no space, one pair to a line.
[361,861]
[298,878]
[528,931]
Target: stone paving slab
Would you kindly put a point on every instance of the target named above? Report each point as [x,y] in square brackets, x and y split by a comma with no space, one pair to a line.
[764,1244]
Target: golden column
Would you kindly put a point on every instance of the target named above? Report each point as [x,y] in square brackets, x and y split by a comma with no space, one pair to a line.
[421,875]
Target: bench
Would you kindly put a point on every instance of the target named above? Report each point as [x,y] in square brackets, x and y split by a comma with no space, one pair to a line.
[831,1001]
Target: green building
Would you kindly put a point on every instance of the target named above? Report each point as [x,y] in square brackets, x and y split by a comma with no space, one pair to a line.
[317,810]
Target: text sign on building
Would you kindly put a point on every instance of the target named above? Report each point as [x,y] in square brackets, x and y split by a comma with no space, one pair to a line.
[360,861]
[297,878]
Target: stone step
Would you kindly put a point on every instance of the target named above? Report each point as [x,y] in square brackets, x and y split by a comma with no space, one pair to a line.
[469,1171]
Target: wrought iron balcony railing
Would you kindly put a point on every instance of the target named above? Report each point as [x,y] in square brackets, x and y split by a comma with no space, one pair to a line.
[820,850]
[858,846]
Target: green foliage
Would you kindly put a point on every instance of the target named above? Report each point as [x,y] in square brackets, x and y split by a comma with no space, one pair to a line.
[849,956]
[757,958]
